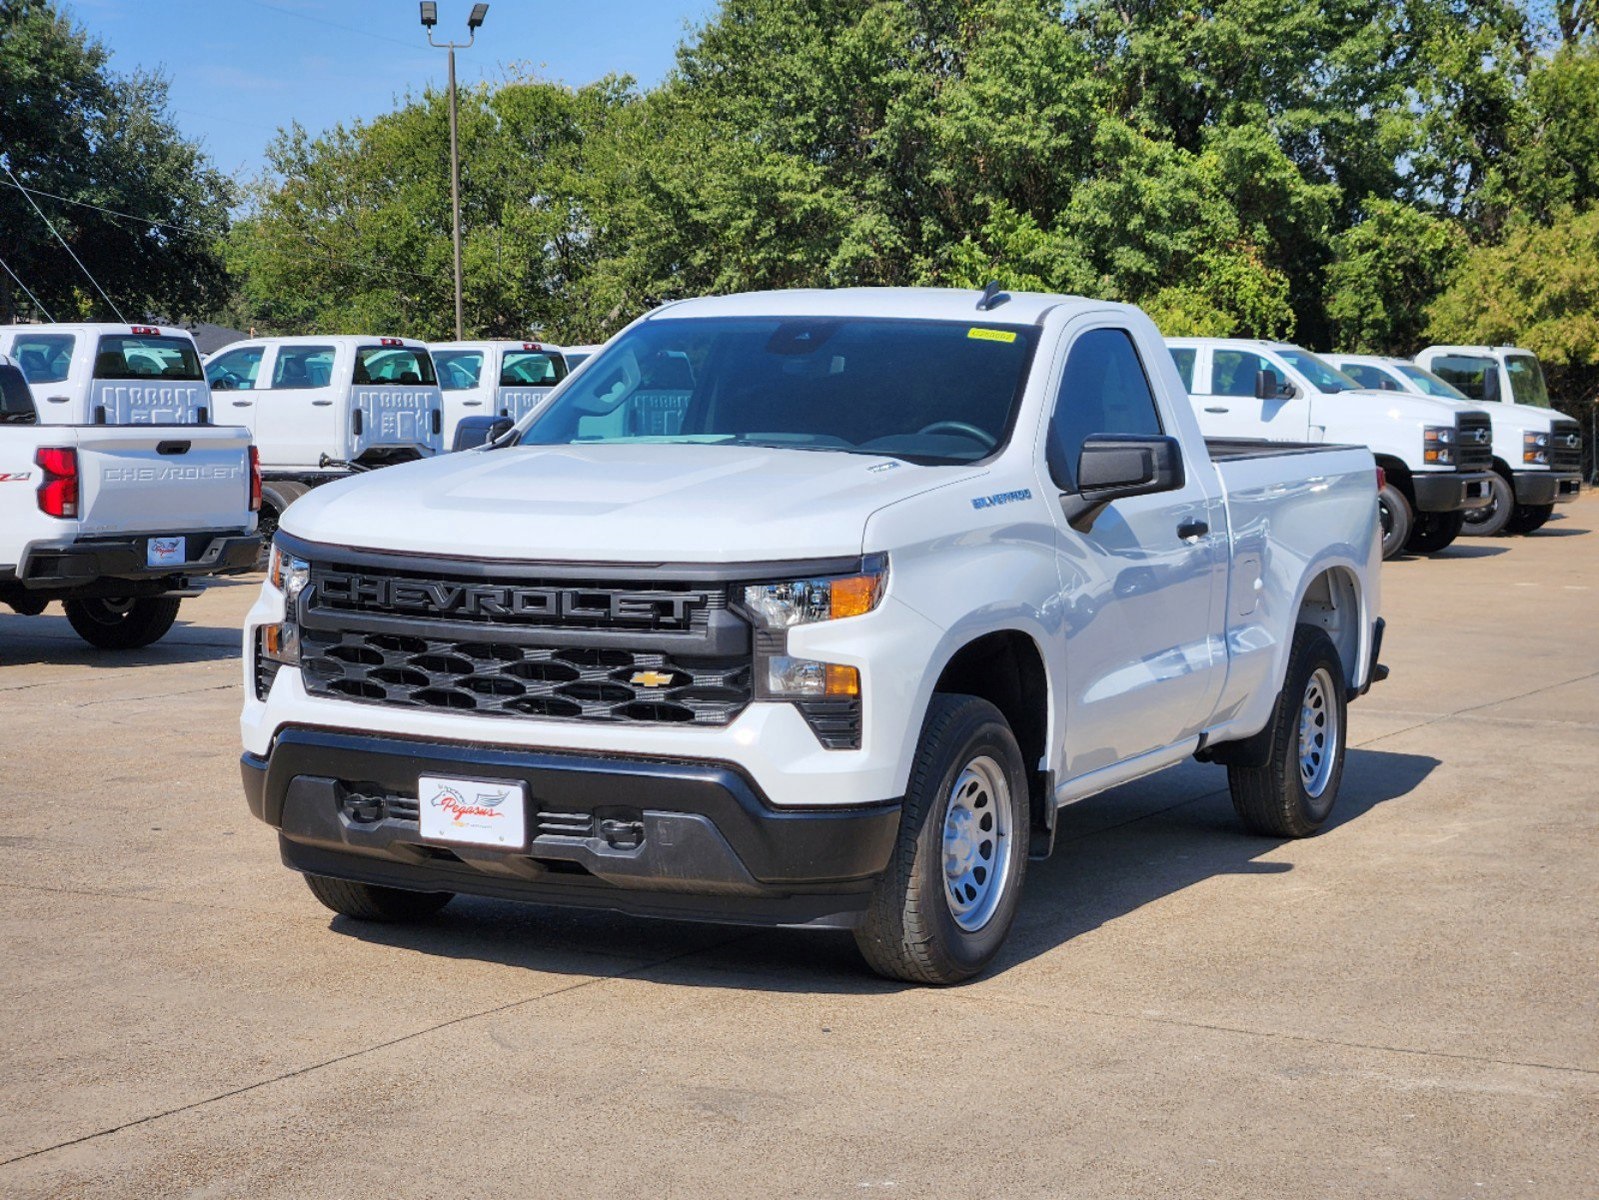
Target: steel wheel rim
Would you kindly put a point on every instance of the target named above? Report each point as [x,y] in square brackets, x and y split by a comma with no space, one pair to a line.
[977,843]
[1481,516]
[1318,733]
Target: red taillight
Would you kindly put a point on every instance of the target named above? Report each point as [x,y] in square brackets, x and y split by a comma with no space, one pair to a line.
[391,341]
[145,330]
[1382,479]
[255,480]
[58,489]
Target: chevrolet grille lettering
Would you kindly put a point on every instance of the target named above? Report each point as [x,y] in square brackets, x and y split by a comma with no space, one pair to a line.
[447,598]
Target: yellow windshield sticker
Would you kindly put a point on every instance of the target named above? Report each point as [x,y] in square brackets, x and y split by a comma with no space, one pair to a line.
[992,335]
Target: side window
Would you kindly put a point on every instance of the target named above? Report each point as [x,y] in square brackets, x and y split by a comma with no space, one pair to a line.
[1370,377]
[1103,390]
[458,369]
[302,367]
[236,370]
[1233,372]
[43,357]
[1466,372]
[1184,358]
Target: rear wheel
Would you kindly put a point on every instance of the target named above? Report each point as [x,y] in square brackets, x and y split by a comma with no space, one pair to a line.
[122,624]
[1434,531]
[1492,519]
[1529,517]
[275,498]
[948,897]
[1396,516]
[367,902]
[1292,794]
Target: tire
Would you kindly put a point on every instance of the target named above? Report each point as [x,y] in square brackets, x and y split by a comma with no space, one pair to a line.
[1396,518]
[275,499]
[1529,518]
[122,624]
[1434,531]
[367,902]
[1274,799]
[1491,521]
[967,806]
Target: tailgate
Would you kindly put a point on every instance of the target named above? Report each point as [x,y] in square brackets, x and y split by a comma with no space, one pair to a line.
[396,416]
[153,402]
[517,402]
[141,480]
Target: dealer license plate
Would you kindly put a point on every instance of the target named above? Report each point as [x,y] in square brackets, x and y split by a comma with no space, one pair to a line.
[473,812]
[167,552]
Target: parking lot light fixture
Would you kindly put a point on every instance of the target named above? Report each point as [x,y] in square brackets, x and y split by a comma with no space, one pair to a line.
[430,18]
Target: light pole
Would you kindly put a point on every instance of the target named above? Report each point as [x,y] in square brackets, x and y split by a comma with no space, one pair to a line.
[430,18]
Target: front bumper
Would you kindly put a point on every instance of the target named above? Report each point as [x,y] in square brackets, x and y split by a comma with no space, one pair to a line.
[1546,487]
[1451,491]
[693,840]
[78,564]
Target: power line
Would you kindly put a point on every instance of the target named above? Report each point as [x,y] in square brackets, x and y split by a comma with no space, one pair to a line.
[29,294]
[289,12]
[67,247]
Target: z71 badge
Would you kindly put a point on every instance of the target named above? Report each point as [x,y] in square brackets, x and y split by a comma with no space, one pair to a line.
[15,476]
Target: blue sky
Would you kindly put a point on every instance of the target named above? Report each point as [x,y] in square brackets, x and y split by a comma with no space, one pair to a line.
[241,68]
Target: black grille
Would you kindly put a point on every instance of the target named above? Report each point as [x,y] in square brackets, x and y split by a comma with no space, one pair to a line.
[515,680]
[266,669]
[1565,446]
[1474,442]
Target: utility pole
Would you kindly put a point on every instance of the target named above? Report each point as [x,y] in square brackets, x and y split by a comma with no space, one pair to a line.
[430,18]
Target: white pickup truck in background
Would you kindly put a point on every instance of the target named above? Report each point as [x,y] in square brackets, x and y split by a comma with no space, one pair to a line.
[111,374]
[321,408]
[1435,455]
[114,521]
[1535,471]
[822,630]
[494,379]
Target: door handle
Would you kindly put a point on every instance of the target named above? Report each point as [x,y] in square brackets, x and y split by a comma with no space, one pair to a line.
[1218,410]
[472,403]
[1190,531]
[243,403]
[322,403]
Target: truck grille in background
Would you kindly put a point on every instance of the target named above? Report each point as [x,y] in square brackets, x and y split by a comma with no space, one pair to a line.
[1565,446]
[507,679]
[1474,442]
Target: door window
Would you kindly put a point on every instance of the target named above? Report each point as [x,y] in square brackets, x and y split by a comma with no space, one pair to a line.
[303,367]
[1233,372]
[458,369]
[236,370]
[1103,390]
[1184,356]
[43,357]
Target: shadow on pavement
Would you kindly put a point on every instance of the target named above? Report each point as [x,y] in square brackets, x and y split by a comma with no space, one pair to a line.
[1546,531]
[1463,549]
[48,639]
[1114,854]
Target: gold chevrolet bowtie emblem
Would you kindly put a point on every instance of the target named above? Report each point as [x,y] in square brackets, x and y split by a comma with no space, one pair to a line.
[651,679]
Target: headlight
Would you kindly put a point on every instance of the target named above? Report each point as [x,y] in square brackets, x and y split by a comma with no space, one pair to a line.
[1438,445]
[1535,448]
[806,601]
[289,575]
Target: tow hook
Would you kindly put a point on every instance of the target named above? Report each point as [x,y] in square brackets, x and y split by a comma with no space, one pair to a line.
[622,835]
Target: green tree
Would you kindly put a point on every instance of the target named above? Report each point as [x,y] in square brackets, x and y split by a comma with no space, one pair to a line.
[1385,272]
[91,144]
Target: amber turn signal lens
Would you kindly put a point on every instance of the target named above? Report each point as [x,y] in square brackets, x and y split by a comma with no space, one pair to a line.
[854,595]
[843,681]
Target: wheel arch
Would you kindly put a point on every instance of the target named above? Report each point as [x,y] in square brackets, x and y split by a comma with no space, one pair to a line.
[1332,601]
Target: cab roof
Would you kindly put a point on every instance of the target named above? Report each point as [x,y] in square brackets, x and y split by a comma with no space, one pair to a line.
[930,304]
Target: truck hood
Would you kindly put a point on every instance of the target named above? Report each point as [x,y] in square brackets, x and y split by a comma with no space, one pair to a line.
[617,503]
[1397,406]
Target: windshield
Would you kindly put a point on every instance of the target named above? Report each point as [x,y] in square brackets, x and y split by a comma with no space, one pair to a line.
[1322,376]
[1429,383]
[143,356]
[933,392]
[16,401]
[398,365]
[458,369]
[1526,380]
[532,368]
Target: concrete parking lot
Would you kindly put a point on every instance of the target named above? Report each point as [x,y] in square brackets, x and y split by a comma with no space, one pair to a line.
[1406,1006]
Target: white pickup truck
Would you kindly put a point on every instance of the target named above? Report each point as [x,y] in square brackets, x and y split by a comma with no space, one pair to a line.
[1537,451]
[110,374]
[494,379]
[1434,454]
[910,570]
[114,521]
[321,408]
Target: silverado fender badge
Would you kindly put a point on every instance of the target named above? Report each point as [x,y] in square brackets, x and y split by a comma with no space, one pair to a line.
[999,498]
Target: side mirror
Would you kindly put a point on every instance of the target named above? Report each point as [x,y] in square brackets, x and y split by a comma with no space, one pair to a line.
[1269,387]
[1114,466]
[1490,382]
[479,431]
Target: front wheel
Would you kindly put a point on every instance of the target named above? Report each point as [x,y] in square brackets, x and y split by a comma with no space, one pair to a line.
[1396,517]
[125,624]
[1529,518]
[1292,794]
[368,902]
[948,897]
[1495,515]
[1434,531]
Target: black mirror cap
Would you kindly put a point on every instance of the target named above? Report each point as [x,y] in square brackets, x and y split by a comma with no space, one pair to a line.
[473,432]
[1267,386]
[1114,466]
